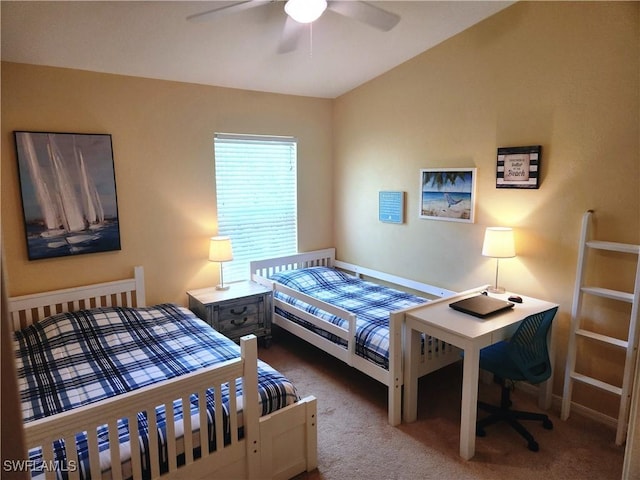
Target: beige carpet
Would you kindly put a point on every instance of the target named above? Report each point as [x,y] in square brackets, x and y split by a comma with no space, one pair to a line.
[356,442]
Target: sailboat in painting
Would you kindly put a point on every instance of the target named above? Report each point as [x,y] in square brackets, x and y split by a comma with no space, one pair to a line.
[43,196]
[93,211]
[66,213]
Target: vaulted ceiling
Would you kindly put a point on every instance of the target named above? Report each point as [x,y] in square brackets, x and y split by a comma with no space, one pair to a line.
[154,39]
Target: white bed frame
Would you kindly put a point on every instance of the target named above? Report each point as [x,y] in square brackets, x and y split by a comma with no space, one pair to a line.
[393,378]
[279,445]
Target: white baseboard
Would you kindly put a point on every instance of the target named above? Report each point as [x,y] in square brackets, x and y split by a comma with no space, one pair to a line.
[575,407]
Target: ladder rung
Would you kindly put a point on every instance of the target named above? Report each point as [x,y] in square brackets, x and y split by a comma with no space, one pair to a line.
[628,344]
[603,338]
[614,246]
[597,383]
[607,293]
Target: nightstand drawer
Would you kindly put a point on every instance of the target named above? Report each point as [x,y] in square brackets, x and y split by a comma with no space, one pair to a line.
[242,309]
[239,315]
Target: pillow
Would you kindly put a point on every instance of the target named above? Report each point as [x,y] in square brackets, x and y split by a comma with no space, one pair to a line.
[305,279]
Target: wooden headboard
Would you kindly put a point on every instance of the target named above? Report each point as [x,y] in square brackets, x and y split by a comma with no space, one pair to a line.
[28,309]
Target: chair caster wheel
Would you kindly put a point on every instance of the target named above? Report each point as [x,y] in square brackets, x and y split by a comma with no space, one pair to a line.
[547,424]
[533,446]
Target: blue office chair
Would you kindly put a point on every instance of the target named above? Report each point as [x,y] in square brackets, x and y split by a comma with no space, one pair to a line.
[524,357]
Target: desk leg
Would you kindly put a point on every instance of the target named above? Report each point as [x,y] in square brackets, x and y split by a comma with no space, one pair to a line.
[411,360]
[545,396]
[545,393]
[469,412]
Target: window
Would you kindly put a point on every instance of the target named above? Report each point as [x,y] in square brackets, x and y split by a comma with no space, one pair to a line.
[256,195]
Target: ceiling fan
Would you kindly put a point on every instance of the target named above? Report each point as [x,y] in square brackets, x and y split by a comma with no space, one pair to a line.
[303,12]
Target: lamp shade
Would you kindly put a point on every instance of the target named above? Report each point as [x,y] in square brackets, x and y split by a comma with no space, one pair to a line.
[498,243]
[220,249]
[305,11]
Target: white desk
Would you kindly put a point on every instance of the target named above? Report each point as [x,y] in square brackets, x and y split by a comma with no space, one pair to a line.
[471,334]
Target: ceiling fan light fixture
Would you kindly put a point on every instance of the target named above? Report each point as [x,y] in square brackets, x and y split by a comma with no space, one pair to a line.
[305,11]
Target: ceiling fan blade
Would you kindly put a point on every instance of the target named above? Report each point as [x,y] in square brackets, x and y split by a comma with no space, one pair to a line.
[291,34]
[365,12]
[225,10]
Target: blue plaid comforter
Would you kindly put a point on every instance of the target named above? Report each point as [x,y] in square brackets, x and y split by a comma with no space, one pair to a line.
[78,358]
[371,303]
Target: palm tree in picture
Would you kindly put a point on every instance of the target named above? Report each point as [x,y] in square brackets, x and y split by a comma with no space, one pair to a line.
[437,180]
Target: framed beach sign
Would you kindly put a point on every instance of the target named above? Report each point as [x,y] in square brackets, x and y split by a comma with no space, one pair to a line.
[518,167]
[68,188]
[391,206]
[448,194]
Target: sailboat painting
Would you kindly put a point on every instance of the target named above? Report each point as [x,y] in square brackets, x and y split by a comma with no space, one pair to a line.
[68,187]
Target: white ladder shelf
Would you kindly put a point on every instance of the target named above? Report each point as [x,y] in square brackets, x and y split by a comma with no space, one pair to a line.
[630,345]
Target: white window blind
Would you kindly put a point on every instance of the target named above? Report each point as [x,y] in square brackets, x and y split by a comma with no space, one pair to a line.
[256,196]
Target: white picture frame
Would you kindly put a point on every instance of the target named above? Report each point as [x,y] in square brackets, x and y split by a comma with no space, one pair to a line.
[448,194]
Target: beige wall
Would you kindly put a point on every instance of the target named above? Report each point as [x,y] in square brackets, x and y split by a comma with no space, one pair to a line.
[162,134]
[563,75]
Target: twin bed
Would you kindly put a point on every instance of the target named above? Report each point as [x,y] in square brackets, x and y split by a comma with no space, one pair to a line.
[111,388]
[356,321]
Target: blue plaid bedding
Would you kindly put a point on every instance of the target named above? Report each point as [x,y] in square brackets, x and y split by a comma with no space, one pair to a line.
[79,358]
[371,303]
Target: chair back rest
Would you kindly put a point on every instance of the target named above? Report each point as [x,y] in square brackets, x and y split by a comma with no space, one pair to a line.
[528,346]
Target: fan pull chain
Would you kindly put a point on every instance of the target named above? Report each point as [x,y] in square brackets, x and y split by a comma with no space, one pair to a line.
[311,40]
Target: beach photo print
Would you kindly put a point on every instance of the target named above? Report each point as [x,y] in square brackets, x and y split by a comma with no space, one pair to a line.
[448,194]
[68,188]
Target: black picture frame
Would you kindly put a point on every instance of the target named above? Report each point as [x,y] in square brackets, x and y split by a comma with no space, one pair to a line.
[68,191]
[519,167]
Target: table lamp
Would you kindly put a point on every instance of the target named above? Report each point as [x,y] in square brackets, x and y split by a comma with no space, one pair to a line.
[498,243]
[220,251]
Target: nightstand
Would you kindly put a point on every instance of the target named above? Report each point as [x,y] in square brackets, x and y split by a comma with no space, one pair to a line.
[242,309]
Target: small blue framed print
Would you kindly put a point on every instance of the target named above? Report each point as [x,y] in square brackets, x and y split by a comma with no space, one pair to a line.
[391,207]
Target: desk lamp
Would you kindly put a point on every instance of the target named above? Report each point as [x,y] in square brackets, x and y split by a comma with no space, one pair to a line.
[220,251]
[498,243]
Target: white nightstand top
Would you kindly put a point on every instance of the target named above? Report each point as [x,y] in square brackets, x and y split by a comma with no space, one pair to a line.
[235,291]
